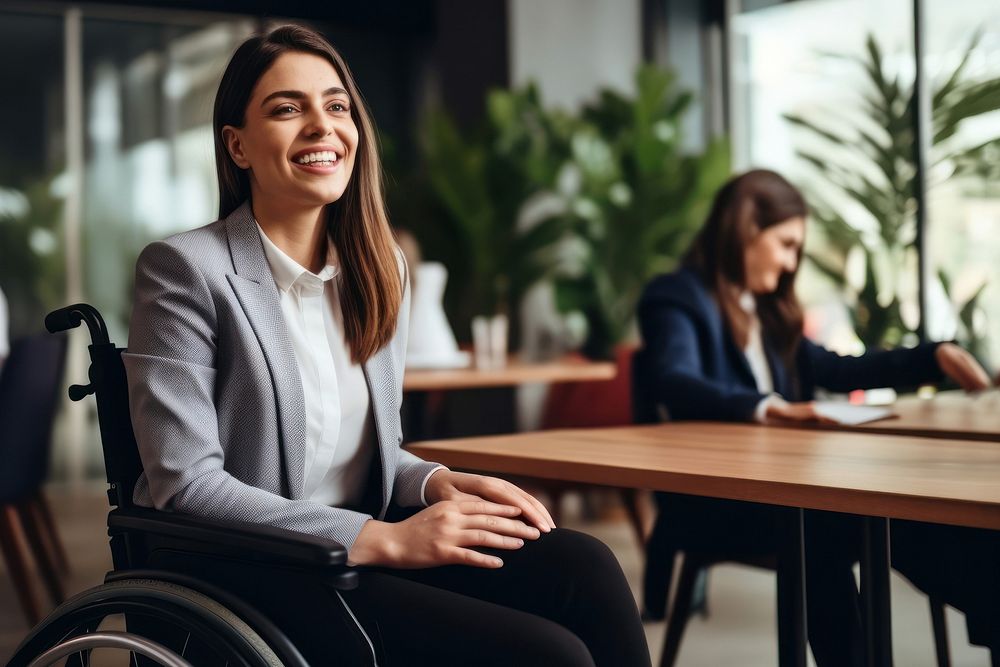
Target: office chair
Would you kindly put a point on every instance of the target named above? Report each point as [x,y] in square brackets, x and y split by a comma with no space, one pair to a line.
[690,592]
[29,394]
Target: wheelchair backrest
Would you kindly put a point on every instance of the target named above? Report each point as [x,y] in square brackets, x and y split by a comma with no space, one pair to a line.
[109,385]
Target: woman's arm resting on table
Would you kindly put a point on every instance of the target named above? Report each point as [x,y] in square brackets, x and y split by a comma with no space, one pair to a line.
[961,367]
[673,374]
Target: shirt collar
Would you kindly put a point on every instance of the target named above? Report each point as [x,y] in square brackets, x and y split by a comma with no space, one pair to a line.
[287,272]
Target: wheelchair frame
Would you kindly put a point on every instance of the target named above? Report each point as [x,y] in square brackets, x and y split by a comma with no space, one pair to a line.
[212,612]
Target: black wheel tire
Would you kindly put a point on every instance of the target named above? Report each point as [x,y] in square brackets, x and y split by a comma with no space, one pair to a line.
[171,606]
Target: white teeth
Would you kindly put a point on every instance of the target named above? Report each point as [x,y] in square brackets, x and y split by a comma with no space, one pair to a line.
[321,156]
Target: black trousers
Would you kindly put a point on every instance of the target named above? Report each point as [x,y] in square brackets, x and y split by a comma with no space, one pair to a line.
[559,600]
[732,530]
[960,566]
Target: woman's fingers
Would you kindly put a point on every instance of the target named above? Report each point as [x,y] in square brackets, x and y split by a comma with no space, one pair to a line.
[499,525]
[480,506]
[471,557]
[532,510]
[976,377]
[542,510]
[962,367]
[484,538]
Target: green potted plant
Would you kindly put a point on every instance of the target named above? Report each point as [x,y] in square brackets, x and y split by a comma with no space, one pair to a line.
[633,200]
[474,185]
[883,143]
[32,273]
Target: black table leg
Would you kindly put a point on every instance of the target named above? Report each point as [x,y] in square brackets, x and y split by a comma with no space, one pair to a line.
[792,594]
[875,592]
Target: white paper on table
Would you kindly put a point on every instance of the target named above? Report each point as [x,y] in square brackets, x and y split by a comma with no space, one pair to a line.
[852,415]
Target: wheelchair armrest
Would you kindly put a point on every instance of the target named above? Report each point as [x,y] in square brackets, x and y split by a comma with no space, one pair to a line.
[274,544]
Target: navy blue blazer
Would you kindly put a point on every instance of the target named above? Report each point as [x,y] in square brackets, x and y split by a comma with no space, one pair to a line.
[690,363]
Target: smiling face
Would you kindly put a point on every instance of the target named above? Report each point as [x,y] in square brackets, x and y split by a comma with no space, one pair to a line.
[298,139]
[773,251]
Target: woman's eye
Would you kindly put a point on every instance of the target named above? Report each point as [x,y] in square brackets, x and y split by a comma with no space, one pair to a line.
[284,109]
[338,106]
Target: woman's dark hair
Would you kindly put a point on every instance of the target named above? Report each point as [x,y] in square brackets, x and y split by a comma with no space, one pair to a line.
[372,288]
[744,206]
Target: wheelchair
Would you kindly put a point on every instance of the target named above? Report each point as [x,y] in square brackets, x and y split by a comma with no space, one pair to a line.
[174,614]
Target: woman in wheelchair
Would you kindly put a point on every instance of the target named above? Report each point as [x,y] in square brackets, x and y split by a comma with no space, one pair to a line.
[265,364]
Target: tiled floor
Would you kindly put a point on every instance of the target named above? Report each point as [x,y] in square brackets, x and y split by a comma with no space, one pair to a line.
[740,630]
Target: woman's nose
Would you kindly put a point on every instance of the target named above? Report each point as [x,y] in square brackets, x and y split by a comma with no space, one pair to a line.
[320,125]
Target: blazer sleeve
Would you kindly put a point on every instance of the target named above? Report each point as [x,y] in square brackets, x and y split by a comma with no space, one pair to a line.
[902,367]
[674,376]
[411,470]
[170,364]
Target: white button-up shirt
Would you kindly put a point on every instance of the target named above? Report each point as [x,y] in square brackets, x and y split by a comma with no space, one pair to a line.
[757,359]
[340,430]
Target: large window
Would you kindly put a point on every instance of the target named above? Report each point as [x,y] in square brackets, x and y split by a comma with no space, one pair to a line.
[823,91]
[149,167]
[106,145]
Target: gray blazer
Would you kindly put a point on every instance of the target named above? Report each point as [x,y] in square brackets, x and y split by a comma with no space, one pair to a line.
[215,393]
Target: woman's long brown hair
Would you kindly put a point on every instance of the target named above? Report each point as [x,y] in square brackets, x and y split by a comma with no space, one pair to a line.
[372,289]
[745,205]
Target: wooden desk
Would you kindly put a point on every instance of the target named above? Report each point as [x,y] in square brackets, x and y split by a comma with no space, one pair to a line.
[952,481]
[422,413]
[950,414]
[514,373]
[881,476]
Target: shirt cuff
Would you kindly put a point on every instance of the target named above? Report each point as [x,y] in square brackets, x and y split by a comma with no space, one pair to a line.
[423,485]
[760,412]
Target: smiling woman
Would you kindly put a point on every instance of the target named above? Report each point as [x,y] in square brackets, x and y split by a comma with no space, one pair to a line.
[265,364]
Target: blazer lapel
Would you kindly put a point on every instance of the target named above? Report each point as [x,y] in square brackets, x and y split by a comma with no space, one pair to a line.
[382,391]
[258,295]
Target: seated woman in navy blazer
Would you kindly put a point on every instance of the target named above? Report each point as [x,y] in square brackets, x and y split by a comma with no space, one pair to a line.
[723,341]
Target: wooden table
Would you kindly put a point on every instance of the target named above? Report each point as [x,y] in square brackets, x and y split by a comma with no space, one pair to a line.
[877,476]
[419,383]
[516,372]
[949,414]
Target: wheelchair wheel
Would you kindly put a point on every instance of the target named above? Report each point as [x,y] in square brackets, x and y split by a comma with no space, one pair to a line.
[193,626]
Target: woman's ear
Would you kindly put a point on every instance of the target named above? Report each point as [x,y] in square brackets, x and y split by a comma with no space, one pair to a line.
[234,144]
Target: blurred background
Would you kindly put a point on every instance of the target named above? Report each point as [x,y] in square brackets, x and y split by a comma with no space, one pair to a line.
[553,155]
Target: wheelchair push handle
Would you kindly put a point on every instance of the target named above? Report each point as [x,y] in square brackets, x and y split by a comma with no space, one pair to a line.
[70,317]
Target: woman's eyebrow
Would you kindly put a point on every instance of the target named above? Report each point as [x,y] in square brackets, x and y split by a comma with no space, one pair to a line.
[299,95]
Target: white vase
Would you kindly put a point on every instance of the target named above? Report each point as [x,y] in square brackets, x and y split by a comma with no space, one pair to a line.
[431,342]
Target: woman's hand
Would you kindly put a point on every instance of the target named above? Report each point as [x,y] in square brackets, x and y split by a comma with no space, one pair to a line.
[459,486]
[797,412]
[961,367]
[446,533]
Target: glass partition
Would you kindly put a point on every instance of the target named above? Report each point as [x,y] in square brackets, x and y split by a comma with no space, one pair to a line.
[32,158]
[150,166]
[963,230]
